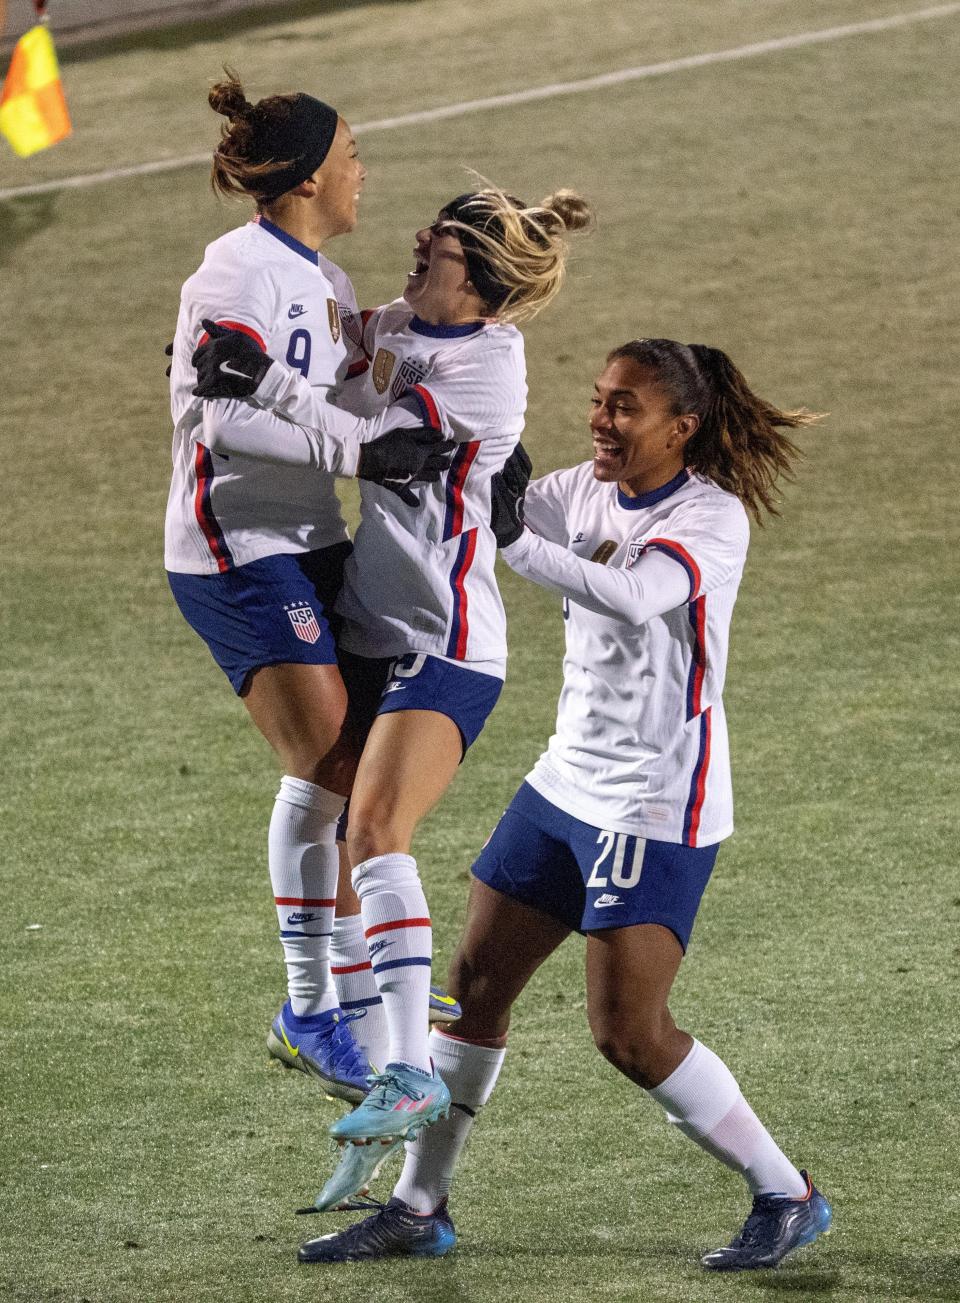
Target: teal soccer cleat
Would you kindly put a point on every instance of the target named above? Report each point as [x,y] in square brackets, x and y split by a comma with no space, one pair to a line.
[357,1169]
[396,1231]
[776,1226]
[401,1101]
[323,1047]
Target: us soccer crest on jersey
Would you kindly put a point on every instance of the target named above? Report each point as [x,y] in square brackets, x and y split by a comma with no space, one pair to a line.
[639,762]
[225,512]
[471,380]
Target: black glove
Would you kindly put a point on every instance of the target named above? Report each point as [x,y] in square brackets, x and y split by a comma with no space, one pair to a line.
[397,458]
[507,489]
[229,364]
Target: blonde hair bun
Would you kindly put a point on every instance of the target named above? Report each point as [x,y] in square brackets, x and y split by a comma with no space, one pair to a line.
[572,211]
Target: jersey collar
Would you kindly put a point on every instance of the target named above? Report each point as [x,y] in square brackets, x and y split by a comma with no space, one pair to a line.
[278,233]
[444,332]
[655,495]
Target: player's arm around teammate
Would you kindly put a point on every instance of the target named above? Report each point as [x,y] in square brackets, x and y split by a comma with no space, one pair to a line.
[615,831]
[423,640]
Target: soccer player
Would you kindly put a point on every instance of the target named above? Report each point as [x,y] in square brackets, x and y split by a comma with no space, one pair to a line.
[423,647]
[616,829]
[255,547]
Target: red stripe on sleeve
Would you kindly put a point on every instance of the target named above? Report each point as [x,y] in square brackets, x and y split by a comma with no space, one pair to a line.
[433,412]
[244,330]
[684,557]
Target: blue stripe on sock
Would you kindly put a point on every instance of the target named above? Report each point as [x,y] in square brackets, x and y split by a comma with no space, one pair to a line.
[360,1004]
[310,936]
[399,963]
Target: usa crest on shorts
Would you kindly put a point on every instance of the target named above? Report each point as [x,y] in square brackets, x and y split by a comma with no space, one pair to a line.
[305,623]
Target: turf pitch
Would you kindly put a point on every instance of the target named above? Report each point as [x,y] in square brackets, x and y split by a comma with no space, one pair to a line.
[800,211]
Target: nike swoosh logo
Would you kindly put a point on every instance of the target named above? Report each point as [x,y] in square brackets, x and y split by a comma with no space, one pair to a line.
[290,1047]
[296,312]
[228,370]
[444,999]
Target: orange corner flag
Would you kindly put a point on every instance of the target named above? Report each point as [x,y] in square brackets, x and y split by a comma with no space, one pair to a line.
[33,111]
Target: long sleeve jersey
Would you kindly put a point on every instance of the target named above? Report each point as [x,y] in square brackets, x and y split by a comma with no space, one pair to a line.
[247,482]
[422,578]
[649,584]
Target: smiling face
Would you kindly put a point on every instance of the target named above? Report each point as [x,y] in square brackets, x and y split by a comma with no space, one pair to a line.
[439,288]
[638,440]
[339,180]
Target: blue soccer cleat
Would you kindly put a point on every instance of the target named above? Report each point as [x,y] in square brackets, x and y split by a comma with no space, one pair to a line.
[400,1102]
[358,1167]
[322,1045]
[443,1008]
[396,1231]
[776,1226]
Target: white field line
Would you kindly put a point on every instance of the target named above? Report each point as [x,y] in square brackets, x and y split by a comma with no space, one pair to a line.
[642,73]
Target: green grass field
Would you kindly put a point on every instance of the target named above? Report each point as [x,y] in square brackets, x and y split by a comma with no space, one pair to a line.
[799,210]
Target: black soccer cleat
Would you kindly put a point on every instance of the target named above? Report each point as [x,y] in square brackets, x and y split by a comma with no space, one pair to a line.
[395,1231]
[776,1226]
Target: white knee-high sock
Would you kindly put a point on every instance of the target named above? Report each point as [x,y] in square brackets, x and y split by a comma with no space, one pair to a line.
[396,924]
[470,1071]
[357,988]
[702,1098]
[303,872]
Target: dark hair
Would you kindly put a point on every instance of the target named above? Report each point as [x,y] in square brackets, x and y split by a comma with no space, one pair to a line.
[738,444]
[269,147]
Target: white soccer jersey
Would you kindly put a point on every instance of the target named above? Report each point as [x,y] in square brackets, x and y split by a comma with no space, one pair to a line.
[650,582]
[422,578]
[227,507]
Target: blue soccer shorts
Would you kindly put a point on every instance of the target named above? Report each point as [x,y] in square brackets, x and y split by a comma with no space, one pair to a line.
[591,878]
[415,681]
[275,611]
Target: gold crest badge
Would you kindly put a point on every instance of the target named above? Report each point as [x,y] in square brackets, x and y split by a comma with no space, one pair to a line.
[604,552]
[383,365]
[333,316]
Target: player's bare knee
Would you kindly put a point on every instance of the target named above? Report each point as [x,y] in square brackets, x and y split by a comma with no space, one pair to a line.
[634,1048]
[369,835]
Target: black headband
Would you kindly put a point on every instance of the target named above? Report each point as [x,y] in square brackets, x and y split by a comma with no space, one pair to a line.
[472,211]
[303,136]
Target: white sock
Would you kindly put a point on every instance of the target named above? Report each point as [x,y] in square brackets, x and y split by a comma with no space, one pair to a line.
[396,924]
[703,1099]
[357,987]
[303,872]
[470,1071]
